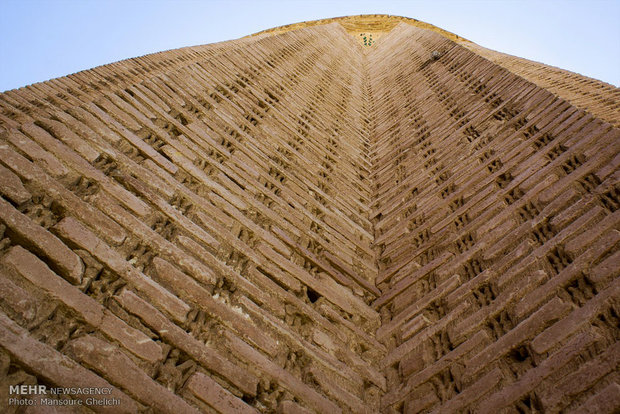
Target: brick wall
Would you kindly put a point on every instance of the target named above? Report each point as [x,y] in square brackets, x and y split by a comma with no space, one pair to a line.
[298,223]
[496,226]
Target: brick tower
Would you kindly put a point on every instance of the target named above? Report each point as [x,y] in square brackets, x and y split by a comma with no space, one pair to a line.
[359,215]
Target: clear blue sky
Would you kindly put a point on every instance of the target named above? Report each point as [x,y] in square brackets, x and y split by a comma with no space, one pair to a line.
[44,39]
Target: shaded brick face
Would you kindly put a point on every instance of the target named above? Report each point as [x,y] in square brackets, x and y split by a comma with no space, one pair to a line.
[298,222]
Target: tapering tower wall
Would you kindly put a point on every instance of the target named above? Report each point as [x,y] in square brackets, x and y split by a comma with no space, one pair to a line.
[495,215]
[300,221]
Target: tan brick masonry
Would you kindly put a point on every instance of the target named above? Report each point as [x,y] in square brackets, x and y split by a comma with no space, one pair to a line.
[295,222]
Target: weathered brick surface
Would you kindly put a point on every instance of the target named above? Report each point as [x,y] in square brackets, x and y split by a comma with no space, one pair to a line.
[12,188]
[105,359]
[54,367]
[209,391]
[32,269]
[299,222]
[482,176]
[43,243]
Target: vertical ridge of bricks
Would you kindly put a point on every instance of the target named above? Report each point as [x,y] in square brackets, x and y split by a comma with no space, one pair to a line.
[298,223]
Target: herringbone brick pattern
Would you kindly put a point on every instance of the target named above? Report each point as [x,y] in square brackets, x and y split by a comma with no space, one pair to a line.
[300,223]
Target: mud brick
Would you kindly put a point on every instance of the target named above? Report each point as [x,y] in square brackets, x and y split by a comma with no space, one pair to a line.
[580,241]
[426,401]
[608,169]
[188,166]
[334,391]
[289,407]
[7,122]
[122,117]
[558,187]
[278,245]
[346,369]
[133,139]
[130,338]
[56,368]
[188,288]
[209,391]
[159,179]
[171,212]
[352,274]
[341,279]
[335,293]
[408,281]
[133,106]
[244,163]
[606,270]
[11,187]
[23,306]
[281,228]
[331,314]
[575,320]
[81,129]
[473,393]
[526,264]
[222,216]
[88,171]
[481,196]
[105,359]
[530,380]
[324,341]
[597,132]
[510,296]
[236,215]
[567,198]
[62,133]
[574,213]
[207,222]
[165,248]
[74,232]
[505,232]
[542,293]
[179,147]
[42,242]
[419,305]
[282,377]
[605,401]
[94,123]
[547,314]
[147,170]
[37,154]
[336,223]
[414,326]
[408,346]
[143,93]
[243,282]
[586,376]
[507,212]
[477,341]
[69,202]
[145,90]
[457,296]
[205,355]
[32,269]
